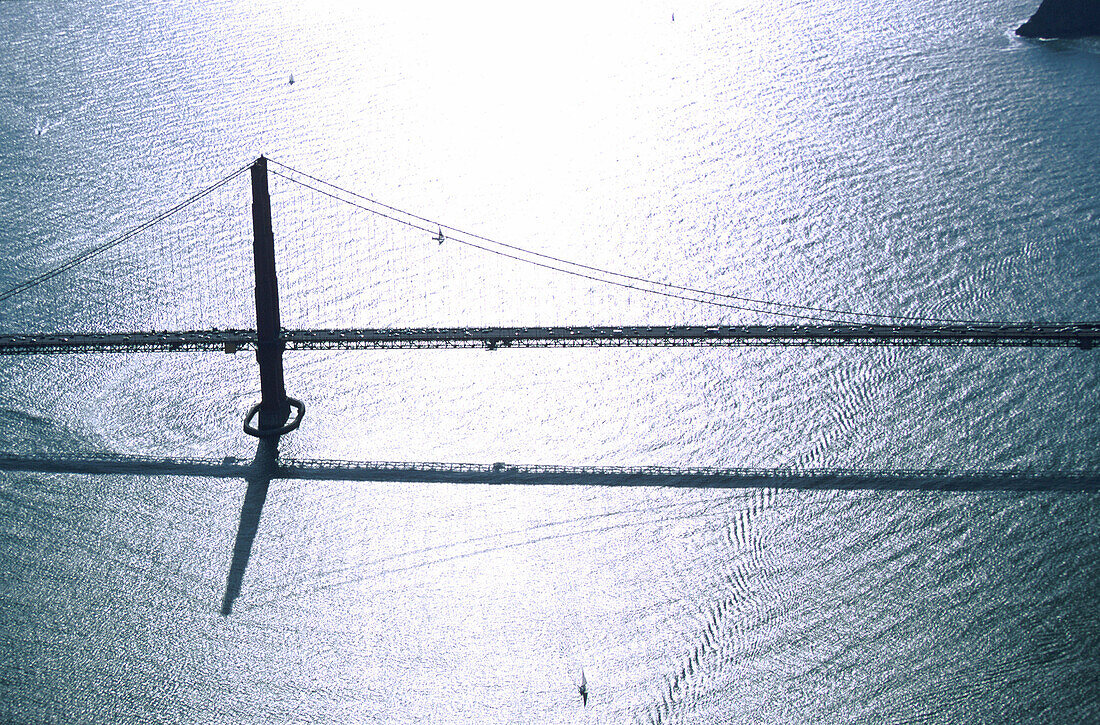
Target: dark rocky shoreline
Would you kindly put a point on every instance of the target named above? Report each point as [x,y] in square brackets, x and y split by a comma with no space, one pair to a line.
[1063,19]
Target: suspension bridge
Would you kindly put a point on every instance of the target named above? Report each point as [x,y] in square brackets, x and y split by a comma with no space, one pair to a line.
[277,413]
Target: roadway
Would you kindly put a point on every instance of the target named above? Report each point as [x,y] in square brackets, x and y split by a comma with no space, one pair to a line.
[1079,335]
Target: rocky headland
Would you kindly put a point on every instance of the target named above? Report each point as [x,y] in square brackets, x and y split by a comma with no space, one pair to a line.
[1063,19]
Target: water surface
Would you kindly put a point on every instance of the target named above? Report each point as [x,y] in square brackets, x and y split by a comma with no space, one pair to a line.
[910,158]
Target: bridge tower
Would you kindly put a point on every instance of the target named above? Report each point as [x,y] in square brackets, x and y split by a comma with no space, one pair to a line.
[273,412]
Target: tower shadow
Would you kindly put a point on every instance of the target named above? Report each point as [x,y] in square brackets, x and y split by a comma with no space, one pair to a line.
[258,476]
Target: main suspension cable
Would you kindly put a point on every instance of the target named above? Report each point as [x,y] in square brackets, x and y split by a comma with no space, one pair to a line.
[573,273]
[611,273]
[115,241]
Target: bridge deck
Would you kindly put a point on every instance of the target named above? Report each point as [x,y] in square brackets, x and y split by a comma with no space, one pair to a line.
[1081,335]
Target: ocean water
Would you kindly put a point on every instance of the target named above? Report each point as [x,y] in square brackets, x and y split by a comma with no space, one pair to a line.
[903,158]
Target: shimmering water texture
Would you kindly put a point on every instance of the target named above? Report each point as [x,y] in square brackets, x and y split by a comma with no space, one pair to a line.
[708,535]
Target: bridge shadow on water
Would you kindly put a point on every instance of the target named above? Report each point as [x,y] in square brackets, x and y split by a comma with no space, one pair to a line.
[266,466]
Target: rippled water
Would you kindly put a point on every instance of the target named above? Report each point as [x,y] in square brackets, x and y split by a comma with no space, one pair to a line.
[903,158]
